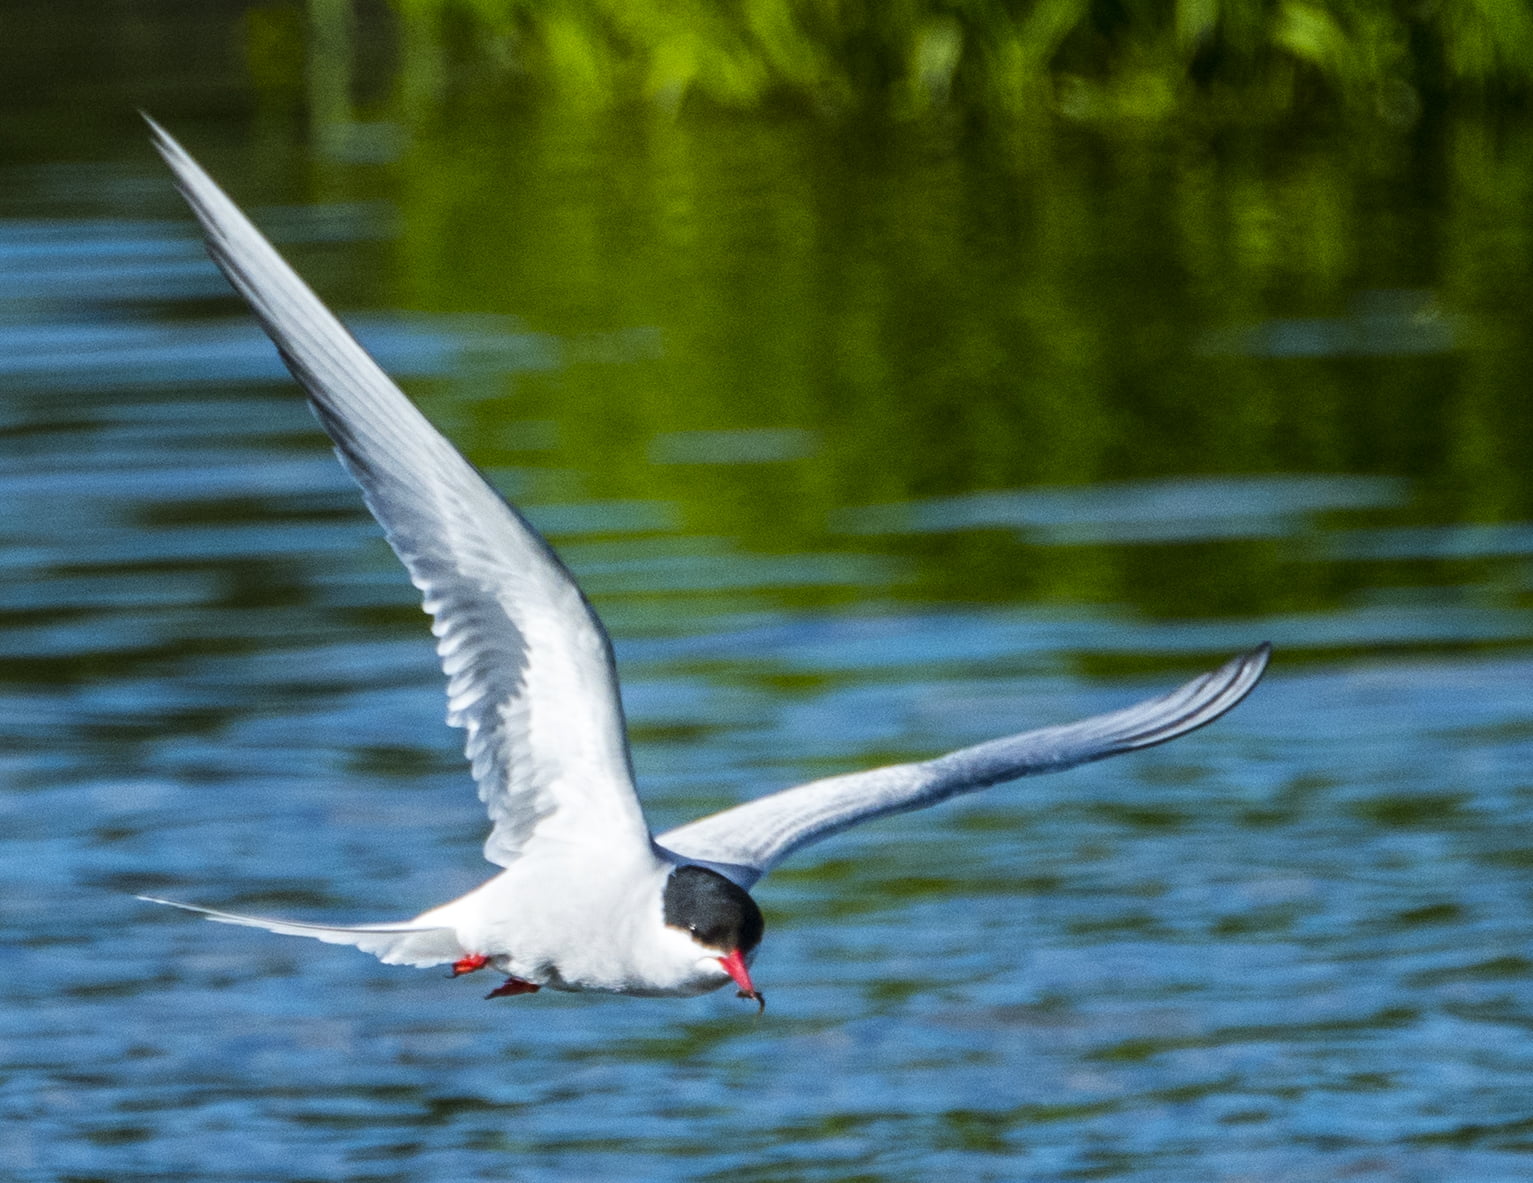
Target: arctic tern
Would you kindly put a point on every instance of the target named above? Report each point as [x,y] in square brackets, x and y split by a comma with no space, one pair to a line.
[586,898]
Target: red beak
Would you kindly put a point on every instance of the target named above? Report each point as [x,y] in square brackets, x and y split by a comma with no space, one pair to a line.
[734,966]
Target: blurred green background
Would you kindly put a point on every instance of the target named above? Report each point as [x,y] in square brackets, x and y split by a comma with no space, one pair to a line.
[893,376]
[854,255]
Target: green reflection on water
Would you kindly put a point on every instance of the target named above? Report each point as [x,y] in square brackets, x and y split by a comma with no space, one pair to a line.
[772,327]
[922,315]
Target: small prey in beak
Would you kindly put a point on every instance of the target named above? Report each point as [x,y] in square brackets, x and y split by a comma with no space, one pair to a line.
[734,966]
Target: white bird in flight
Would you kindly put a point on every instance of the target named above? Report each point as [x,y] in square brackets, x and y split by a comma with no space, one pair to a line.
[587,899]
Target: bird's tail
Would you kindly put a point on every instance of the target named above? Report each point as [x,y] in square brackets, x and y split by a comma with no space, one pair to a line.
[402,943]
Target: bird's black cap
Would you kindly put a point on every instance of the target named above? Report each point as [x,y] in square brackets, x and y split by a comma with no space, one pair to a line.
[717,912]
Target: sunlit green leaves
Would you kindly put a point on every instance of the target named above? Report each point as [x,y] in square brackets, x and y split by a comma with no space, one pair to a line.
[1088,60]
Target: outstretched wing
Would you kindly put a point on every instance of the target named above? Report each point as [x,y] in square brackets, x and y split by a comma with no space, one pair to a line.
[745,842]
[529,667]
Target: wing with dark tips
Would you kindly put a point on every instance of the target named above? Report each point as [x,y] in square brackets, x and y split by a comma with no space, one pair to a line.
[745,842]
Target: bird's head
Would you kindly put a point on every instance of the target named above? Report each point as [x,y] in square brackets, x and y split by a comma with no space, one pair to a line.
[720,918]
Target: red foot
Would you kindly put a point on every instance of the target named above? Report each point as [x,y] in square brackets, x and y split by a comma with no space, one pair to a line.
[513,986]
[467,965]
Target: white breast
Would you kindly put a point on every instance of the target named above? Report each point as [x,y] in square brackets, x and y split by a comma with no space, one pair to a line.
[568,918]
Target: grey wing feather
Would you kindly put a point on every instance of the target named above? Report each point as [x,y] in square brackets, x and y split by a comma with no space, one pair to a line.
[747,841]
[529,666]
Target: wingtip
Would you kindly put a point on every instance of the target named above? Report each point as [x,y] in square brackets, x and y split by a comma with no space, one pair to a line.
[170,150]
[1205,698]
[1241,673]
[158,136]
[1239,677]
[1253,663]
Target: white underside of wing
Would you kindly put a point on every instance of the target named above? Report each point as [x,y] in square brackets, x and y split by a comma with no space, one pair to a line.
[529,666]
[746,841]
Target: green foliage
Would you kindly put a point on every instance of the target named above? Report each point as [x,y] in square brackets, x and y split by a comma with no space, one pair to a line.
[1009,59]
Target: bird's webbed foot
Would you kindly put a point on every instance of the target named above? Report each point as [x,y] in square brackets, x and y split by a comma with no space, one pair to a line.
[468,964]
[513,986]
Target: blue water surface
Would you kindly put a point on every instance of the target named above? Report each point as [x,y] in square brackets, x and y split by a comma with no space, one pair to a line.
[1293,946]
